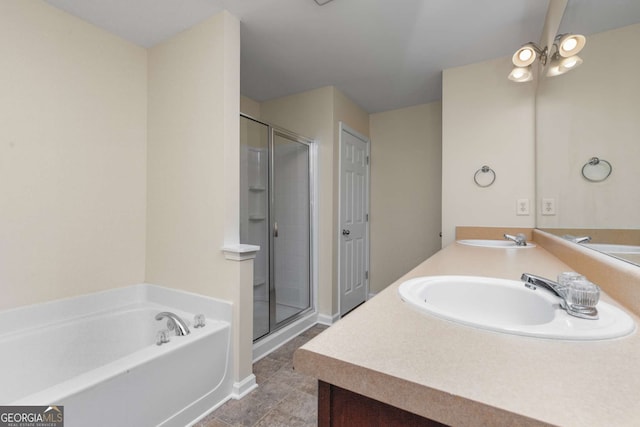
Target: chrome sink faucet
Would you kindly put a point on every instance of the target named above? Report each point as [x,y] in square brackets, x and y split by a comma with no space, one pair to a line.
[174,322]
[579,301]
[577,239]
[584,239]
[519,239]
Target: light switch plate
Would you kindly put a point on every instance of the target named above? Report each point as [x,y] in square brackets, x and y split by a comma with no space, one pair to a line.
[522,207]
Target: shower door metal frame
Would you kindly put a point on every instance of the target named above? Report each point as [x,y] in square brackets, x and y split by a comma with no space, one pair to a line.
[273,325]
[312,148]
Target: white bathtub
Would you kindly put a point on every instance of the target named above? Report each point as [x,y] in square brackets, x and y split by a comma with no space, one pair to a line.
[97,356]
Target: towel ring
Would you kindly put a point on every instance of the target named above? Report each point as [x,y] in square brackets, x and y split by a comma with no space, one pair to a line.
[596,170]
[490,179]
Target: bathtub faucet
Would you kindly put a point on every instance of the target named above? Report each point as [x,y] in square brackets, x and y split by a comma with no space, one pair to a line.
[174,322]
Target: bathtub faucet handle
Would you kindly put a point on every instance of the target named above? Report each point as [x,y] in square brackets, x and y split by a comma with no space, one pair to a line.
[174,322]
[162,337]
[198,321]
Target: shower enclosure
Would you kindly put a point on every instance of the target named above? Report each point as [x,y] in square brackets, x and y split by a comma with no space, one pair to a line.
[275,214]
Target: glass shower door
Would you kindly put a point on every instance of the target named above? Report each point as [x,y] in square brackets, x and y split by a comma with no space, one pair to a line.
[290,216]
[275,214]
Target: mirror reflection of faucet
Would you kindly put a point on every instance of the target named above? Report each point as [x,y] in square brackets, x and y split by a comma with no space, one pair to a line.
[577,239]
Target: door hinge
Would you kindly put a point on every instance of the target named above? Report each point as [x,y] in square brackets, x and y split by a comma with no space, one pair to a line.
[367,159]
[366,217]
[366,275]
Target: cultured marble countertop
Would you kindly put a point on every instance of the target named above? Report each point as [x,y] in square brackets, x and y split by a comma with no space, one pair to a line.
[464,376]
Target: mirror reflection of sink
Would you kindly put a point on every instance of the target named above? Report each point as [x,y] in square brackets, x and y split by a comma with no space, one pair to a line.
[508,306]
[494,243]
[618,249]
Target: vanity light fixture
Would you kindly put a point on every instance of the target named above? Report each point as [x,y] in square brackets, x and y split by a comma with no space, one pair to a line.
[564,58]
[521,74]
[527,54]
[569,44]
[560,65]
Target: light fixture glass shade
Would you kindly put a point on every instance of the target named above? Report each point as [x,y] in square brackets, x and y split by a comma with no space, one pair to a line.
[570,44]
[568,64]
[525,56]
[554,70]
[521,74]
[560,65]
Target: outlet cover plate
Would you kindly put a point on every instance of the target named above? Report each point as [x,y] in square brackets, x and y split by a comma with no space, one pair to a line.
[548,206]
[522,207]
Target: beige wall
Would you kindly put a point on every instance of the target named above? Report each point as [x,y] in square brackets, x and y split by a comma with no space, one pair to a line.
[249,107]
[486,120]
[592,111]
[348,112]
[406,182]
[192,125]
[72,156]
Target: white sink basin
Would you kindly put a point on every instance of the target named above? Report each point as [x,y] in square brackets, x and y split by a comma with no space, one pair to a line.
[612,248]
[495,243]
[510,307]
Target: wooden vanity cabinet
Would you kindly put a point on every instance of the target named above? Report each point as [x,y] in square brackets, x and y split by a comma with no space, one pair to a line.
[338,407]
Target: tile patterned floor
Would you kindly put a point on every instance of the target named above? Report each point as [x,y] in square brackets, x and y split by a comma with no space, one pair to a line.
[284,397]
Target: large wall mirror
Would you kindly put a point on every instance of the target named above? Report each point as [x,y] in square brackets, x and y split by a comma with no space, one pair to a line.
[587,125]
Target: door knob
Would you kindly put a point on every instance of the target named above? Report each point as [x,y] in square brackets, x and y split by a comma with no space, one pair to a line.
[345,232]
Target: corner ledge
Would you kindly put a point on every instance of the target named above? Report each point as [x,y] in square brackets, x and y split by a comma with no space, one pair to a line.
[240,252]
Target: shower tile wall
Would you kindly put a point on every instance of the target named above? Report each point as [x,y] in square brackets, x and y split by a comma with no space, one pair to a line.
[292,213]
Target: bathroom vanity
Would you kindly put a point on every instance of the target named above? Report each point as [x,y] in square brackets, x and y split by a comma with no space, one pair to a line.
[387,363]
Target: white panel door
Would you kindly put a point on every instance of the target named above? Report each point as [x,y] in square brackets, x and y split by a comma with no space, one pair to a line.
[353,222]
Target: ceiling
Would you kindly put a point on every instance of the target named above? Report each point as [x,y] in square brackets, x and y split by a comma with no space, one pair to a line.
[383,54]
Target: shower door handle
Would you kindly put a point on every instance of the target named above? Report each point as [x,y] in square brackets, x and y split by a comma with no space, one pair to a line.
[275,229]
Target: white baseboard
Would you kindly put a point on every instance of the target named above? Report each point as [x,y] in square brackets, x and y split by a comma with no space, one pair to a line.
[244,387]
[324,319]
[271,342]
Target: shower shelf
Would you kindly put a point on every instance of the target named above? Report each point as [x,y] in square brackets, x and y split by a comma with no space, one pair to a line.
[257,218]
[257,188]
[258,281]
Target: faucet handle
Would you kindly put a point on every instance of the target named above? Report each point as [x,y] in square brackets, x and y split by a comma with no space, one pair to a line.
[162,337]
[198,321]
[583,293]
